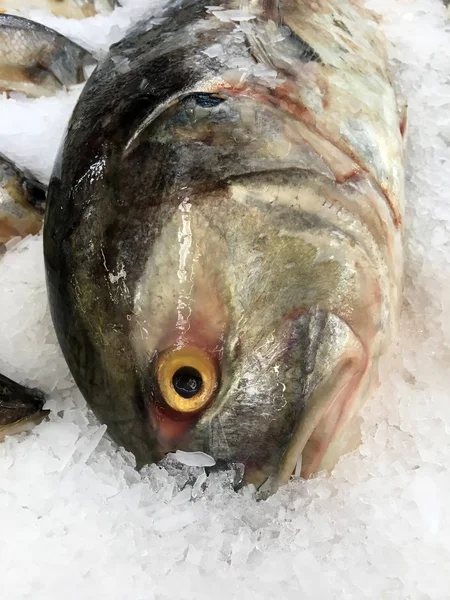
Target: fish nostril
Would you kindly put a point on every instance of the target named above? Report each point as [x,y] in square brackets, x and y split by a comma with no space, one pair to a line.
[187,382]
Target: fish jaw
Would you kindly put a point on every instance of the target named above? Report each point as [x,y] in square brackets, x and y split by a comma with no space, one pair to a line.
[332,403]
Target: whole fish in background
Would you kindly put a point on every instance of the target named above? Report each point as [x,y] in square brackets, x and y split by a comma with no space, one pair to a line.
[38,61]
[22,202]
[223,236]
[72,9]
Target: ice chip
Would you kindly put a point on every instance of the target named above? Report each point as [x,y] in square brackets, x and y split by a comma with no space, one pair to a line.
[193,459]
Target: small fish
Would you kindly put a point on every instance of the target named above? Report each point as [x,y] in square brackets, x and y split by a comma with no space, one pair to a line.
[71,9]
[224,237]
[22,202]
[20,407]
[38,61]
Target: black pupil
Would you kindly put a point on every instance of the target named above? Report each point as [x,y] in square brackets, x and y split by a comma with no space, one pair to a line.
[187,382]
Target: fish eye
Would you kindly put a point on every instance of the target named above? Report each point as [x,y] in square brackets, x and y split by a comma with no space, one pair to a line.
[187,378]
[204,100]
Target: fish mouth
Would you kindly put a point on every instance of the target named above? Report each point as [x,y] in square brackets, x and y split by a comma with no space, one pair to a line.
[319,426]
[312,437]
[324,426]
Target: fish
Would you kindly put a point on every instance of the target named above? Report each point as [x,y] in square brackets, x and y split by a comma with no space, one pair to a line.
[223,237]
[71,9]
[22,202]
[20,407]
[38,61]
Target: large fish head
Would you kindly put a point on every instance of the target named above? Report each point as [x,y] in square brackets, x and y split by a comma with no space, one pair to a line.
[213,284]
[237,323]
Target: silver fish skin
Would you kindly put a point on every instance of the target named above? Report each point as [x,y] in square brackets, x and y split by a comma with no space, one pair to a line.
[224,233]
[71,9]
[38,61]
[22,202]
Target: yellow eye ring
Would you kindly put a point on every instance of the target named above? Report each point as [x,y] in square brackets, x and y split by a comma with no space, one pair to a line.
[187,378]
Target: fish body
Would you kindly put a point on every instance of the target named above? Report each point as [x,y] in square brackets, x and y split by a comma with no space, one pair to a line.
[22,201]
[223,238]
[36,60]
[71,9]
